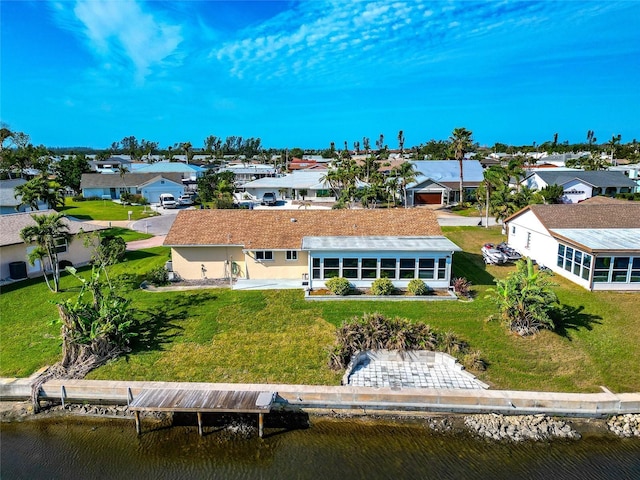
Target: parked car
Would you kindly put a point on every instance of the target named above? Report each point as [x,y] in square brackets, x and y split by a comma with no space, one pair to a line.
[269,198]
[492,255]
[185,200]
[168,201]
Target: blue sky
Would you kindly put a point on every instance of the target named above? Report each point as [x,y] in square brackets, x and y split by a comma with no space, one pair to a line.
[304,74]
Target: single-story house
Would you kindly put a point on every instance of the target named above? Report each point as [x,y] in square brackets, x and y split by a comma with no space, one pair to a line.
[111,164]
[13,250]
[188,171]
[312,246]
[595,244]
[290,185]
[8,201]
[149,185]
[579,185]
[244,173]
[439,181]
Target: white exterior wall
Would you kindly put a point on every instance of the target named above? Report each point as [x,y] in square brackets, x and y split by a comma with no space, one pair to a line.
[152,191]
[399,283]
[576,191]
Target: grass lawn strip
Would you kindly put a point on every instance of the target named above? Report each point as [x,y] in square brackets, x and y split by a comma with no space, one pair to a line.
[276,337]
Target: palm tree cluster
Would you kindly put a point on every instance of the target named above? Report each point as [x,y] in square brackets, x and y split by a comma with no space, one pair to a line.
[48,233]
[525,299]
[374,331]
[351,181]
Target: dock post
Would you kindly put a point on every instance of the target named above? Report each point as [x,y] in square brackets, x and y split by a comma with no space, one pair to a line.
[200,423]
[138,426]
[260,424]
[63,395]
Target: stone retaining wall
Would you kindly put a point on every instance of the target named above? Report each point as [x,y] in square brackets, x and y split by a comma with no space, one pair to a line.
[506,402]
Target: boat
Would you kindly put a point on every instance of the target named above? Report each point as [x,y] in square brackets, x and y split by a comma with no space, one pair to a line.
[511,253]
[492,255]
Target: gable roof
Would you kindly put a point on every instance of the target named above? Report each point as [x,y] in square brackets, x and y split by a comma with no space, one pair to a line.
[108,180]
[594,215]
[7,192]
[13,223]
[285,229]
[596,178]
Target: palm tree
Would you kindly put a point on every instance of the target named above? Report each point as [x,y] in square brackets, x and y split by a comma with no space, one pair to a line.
[188,150]
[401,142]
[461,143]
[613,144]
[494,177]
[406,173]
[40,189]
[122,171]
[49,233]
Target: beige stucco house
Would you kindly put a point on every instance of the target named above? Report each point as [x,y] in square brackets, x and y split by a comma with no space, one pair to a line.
[311,246]
[13,251]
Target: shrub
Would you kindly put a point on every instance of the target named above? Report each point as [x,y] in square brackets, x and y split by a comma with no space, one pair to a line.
[382,286]
[462,286]
[158,276]
[78,198]
[474,361]
[338,286]
[417,287]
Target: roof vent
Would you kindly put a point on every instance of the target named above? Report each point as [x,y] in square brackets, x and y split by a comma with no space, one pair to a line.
[293,220]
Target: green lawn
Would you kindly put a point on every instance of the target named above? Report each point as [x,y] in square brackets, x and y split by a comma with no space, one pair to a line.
[220,335]
[127,234]
[105,210]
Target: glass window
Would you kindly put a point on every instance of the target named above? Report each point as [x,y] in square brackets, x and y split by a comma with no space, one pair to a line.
[61,245]
[350,267]
[388,267]
[292,255]
[331,268]
[621,263]
[442,269]
[264,255]
[426,268]
[369,268]
[603,262]
[568,258]
[407,267]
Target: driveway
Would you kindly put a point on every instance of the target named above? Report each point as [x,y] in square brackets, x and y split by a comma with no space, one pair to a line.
[158,225]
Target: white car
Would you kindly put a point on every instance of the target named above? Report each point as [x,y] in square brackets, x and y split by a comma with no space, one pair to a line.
[168,201]
[185,200]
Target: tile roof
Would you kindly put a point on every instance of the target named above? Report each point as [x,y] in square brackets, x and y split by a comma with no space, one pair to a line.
[586,215]
[12,224]
[107,180]
[285,229]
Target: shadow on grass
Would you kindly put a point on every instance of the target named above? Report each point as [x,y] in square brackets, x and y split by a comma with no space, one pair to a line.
[472,267]
[567,317]
[160,326]
[139,254]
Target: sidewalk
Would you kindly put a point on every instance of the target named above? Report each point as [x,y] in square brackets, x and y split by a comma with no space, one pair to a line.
[146,243]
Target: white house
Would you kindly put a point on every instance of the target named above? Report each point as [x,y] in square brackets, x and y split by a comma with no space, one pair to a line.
[293,185]
[595,244]
[579,185]
[8,201]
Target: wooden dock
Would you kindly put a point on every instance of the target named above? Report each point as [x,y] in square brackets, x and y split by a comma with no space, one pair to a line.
[202,401]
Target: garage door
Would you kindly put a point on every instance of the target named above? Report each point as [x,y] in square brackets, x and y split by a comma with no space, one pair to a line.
[427,198]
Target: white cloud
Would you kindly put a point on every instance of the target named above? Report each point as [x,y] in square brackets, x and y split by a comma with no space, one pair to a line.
[122,33]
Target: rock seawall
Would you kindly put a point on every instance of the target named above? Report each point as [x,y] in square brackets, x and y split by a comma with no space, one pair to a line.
[519,428]
[625,425]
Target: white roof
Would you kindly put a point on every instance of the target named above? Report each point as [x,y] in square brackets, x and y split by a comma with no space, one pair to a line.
[298,179]
[602,239]
[410,244]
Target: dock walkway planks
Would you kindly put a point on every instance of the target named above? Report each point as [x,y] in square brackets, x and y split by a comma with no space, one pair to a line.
[202,401]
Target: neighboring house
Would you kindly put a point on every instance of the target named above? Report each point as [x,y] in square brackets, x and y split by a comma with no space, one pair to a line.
[13,251]
[312,245]
[579,185]
[188,171]
[631,171]
[8,201]
[149,185]
[244,173]
[595,244]
[292,184]
[111,165]
[439,181]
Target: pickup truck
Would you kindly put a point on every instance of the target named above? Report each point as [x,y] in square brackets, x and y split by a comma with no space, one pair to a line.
[269,198]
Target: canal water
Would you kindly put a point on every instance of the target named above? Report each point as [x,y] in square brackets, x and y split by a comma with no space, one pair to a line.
[55,448]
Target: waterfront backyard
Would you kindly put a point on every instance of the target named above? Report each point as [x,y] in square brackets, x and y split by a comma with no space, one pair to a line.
[219,335]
